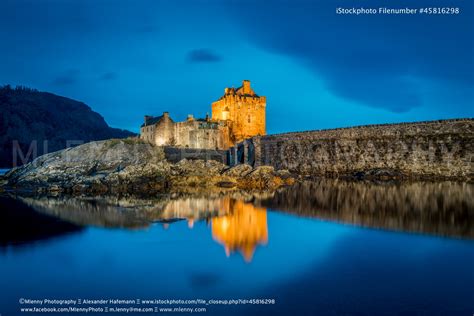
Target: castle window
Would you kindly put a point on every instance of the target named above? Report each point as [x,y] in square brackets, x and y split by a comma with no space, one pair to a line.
[225,114]
[249,118]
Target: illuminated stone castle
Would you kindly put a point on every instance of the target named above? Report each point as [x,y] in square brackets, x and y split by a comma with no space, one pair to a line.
[237,115]
[243,110]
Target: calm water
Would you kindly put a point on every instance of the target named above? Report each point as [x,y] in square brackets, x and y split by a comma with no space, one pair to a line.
[322,248]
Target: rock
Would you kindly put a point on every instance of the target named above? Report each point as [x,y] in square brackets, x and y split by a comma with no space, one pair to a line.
[262,178]
[378,174]
[226,184]
[196,167]
[262,171]
[284,174]
[92,167]
[125,166]
[238,171]
[54,188]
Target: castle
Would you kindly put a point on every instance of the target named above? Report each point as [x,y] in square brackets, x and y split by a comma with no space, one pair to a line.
[239,114]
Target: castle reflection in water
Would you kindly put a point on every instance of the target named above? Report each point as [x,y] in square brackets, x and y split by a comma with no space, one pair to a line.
[238,226]
[239,221]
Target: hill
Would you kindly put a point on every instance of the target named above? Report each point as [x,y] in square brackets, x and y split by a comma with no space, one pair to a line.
[29,115]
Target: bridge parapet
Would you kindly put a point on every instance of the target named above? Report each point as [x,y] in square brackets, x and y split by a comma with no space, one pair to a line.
[442,149]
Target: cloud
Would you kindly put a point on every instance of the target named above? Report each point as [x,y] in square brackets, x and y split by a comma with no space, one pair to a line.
[108,76]
[69,77]
[378,91]
[203,56]
[372,59]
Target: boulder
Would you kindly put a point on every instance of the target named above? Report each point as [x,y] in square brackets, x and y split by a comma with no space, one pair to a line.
[238,170]
[133,166]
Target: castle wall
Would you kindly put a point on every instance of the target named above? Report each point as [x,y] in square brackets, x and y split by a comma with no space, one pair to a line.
[164,132]
[148,133]
[201,134]
[424,149]
[175,154]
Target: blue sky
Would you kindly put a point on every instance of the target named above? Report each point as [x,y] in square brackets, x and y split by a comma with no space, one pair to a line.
[317,69]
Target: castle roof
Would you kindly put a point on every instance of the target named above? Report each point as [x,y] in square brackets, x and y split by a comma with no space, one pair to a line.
[152,120]
[244,90]
[240,91]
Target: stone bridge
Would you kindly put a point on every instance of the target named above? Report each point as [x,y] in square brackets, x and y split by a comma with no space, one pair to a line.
[432,149]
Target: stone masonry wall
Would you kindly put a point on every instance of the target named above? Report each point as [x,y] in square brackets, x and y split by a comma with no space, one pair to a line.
[191,134]
[176,154]
[431,149]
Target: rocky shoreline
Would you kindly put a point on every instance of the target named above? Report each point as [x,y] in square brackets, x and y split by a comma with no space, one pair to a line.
[131,166]
[438,208]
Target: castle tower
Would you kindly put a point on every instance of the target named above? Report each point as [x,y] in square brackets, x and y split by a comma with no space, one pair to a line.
[243,110]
